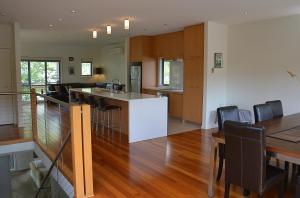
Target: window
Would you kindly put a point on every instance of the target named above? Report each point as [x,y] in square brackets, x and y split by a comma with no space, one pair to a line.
[39,74]
[86,68]
[165,72]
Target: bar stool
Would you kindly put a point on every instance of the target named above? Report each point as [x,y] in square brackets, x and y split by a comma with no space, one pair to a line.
[92,102]
[103,108]
[81,98]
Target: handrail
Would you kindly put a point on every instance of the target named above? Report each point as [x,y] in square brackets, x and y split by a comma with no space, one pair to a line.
[65,104]
[53,164]
[13,93]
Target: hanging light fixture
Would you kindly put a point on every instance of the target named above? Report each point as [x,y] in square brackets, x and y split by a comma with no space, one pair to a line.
[108,29]
[94,34]
[126,24]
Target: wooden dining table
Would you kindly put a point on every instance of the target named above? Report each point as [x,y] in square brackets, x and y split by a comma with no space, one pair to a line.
[285,149]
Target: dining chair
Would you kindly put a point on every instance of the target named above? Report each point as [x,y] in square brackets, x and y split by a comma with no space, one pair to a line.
[246,160]
[297,193]
[276,107]
[262,112]
[223,114]
[277,111]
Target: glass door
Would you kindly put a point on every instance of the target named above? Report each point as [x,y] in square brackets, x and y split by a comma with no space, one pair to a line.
[38,74]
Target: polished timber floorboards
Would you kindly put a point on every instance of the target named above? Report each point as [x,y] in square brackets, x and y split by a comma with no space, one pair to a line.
[169,167]
[174,166]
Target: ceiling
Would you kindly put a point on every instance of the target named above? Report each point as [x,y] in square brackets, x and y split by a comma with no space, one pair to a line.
[147,17]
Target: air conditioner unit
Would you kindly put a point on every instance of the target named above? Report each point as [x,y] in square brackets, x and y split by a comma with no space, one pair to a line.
[115,51]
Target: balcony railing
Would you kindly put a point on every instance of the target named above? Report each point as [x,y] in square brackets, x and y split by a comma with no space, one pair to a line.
[57,128]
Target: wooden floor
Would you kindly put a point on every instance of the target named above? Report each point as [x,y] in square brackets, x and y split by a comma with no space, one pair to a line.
[169,167]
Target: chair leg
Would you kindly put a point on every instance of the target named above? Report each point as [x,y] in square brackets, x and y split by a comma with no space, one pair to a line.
[221,160]
[286,180]
[246,193]
[227,189]
[281,190]
[260,196]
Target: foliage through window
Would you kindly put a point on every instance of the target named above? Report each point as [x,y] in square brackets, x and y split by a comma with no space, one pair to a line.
[38,74]
[86,68]
[165,72]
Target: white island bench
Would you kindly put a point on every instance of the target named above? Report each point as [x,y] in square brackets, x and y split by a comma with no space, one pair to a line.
[143,116]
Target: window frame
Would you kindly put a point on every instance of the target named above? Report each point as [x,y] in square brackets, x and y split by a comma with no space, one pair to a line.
[91,69]
[46,76]
[163,72]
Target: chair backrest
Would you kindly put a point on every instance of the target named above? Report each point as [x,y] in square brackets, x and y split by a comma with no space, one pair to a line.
[262,112]
[276,107]
[245,155]
[227,113]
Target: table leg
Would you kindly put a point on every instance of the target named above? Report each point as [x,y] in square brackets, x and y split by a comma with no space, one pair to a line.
[212,167]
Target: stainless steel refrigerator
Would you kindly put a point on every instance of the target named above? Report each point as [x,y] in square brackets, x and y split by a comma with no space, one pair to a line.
[136,77]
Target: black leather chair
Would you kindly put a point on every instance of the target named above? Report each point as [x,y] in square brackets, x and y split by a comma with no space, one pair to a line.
[270,110]
[262,112]
[297,193]
[225,113]
[276,107]
[246,160]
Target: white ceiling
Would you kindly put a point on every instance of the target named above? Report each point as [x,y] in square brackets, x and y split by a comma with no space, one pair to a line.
[147,16]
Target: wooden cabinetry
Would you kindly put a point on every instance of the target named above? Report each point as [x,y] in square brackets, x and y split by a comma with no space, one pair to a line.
[175,104]
[140,47]
[194,41]
[169,46]
[150,91]
[193,73]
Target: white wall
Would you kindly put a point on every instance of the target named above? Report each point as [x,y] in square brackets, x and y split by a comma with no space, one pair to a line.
[114,64]
[214,81]
[259,54]
[113,58]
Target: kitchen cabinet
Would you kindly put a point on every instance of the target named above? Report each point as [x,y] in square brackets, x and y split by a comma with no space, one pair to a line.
[192,104]
[193,73]
[194,41]
[168,46]
[175,104]
[150,91]
[141,51]
[140,47]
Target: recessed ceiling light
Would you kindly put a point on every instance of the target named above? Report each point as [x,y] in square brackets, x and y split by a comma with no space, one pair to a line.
[108,29]
[60,19]
[51,25]
[73,11]
[245,13]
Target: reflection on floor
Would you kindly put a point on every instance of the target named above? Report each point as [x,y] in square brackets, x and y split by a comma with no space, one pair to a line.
[176,126]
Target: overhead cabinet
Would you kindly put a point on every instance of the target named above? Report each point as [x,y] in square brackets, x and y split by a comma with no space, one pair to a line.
[168,46]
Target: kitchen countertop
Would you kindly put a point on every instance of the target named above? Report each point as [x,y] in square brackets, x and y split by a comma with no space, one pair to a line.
[118,96]
[165,89]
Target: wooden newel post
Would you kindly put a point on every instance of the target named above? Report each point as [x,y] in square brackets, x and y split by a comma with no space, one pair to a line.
[81,151]
[33,113]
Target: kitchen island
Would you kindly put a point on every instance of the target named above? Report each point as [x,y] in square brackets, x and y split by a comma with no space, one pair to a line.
[143,116]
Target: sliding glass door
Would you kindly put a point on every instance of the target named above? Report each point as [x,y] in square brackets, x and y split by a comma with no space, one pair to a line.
[39,74]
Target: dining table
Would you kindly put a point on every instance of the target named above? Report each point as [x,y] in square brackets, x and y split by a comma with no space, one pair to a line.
[282,142]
